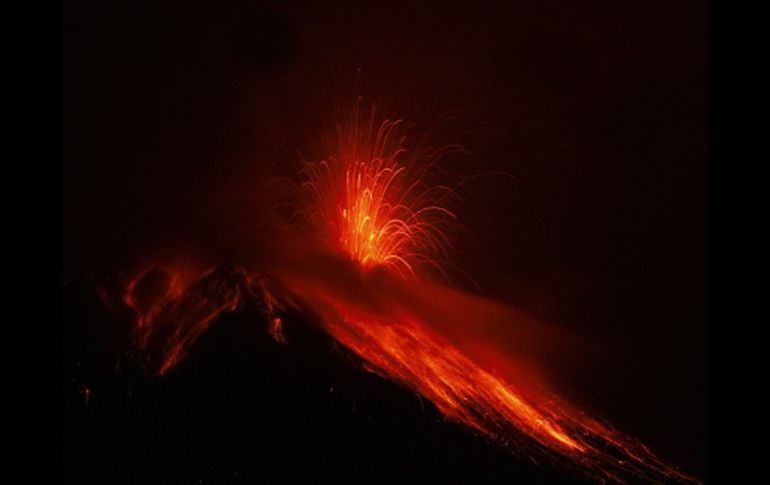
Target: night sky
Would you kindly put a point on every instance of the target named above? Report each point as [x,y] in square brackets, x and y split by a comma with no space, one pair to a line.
[175,115]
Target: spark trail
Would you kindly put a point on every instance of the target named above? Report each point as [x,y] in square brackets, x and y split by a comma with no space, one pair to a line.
[368,198]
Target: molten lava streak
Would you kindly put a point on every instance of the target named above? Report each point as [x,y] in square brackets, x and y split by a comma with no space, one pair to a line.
[412,333]
[174,306]
[379,228]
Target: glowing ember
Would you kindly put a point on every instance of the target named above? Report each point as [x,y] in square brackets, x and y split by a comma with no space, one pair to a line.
[84,391]
[276,330]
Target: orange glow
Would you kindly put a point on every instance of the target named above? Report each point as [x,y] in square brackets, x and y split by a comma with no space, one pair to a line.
[368,199]
[174,307]
[276,330]
[410,353]
[399,329]
[368,205]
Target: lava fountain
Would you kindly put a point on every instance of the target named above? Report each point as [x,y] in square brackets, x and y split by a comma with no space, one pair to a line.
[368,199]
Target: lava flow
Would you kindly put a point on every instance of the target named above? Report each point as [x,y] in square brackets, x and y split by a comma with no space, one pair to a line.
[174,306]
[379,230]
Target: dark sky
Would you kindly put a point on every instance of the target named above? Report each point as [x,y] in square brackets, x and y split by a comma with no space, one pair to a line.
[597,109]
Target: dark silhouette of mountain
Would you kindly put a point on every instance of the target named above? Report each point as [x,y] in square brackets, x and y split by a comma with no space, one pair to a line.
[243,408]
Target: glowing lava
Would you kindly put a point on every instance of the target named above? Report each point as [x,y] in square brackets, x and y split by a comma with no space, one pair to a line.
[368,199]
[174,306]
[447,346]
[369,205]
[364,202]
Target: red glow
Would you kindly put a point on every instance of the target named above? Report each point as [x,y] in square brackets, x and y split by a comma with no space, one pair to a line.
[174,306]
[446,346]
[276,330]
[367,201]
[370,213]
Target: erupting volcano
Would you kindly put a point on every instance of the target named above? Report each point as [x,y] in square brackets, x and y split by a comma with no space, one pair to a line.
[361,269]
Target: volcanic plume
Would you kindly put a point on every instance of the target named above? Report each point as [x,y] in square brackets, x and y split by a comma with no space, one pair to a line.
[364,266]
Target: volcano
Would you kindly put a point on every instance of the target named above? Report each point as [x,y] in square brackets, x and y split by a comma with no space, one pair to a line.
[376,242]
[245,408]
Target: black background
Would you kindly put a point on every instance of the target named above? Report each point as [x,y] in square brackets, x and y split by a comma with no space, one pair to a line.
[598,111]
